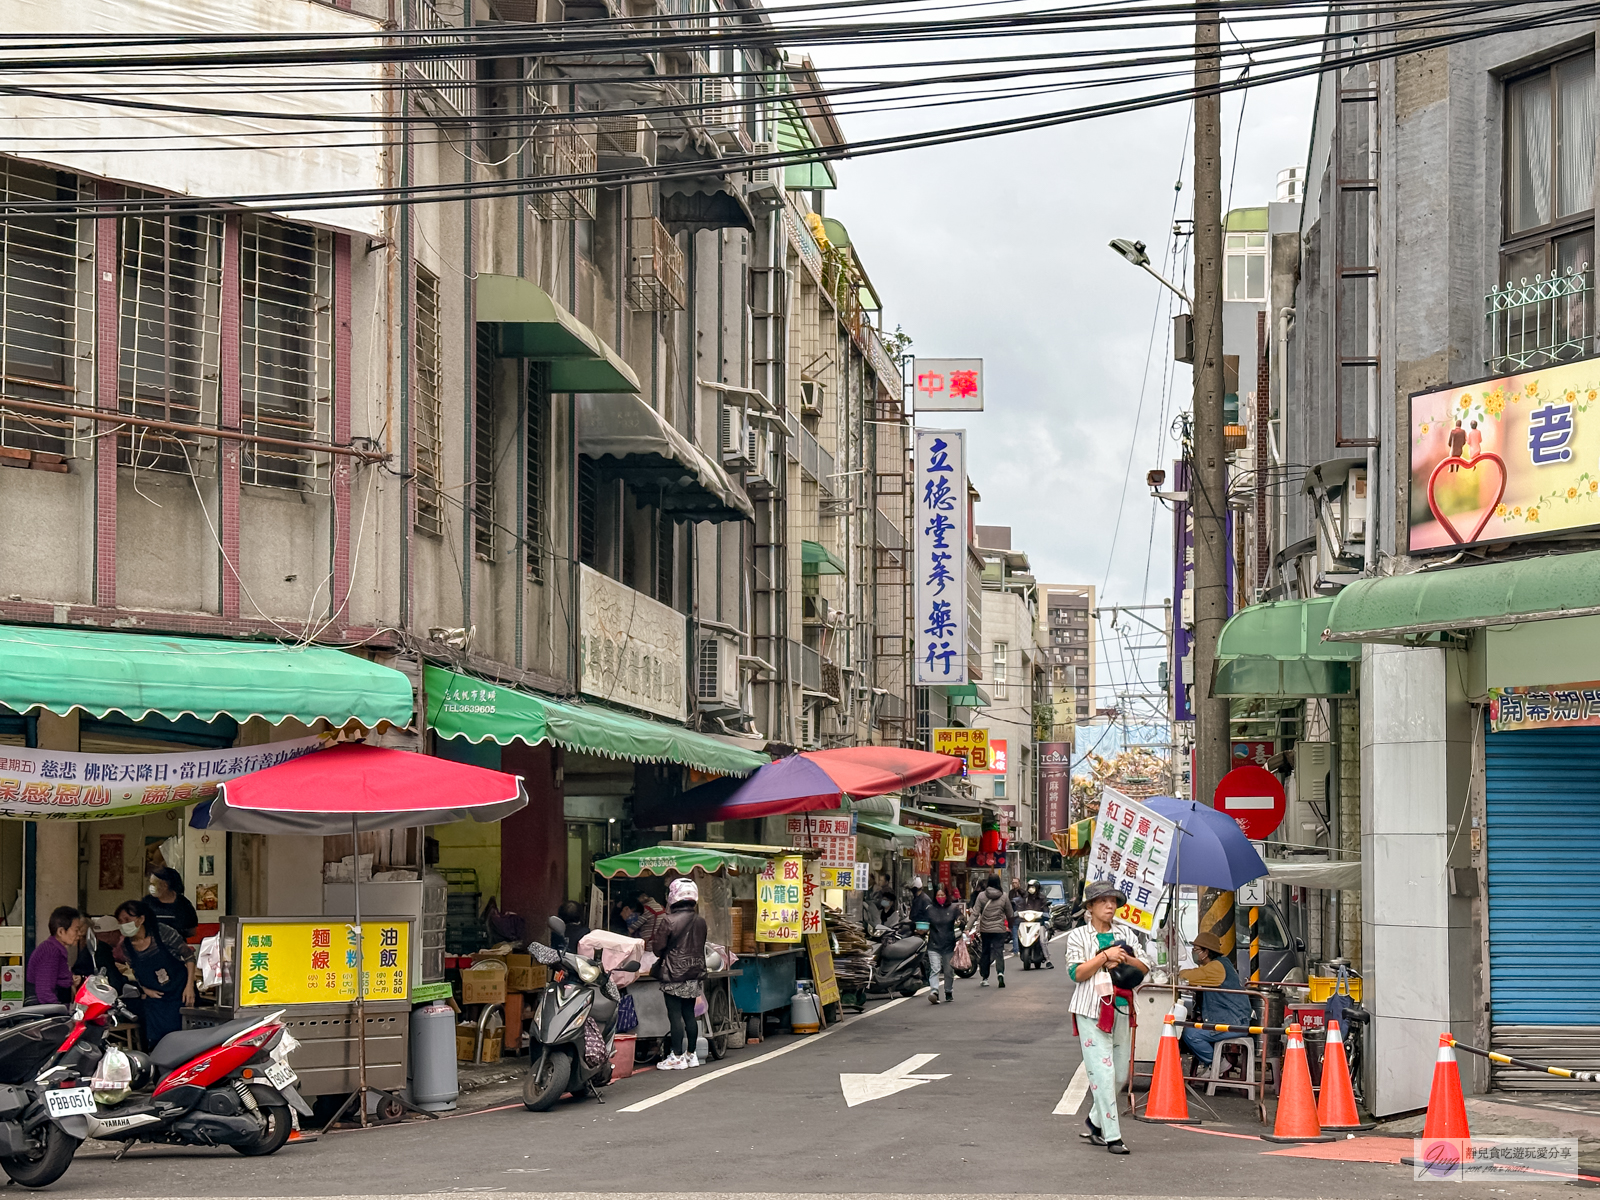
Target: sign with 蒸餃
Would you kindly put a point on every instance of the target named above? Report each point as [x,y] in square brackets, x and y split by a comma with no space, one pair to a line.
[939,525]
[780,899]
[305,962]
[1130,849]
[56,784]
[971,746]
[1556,706]
[1506,458]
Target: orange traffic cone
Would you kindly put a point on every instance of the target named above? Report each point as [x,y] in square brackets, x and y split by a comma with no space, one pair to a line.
[1297,1107]
[1336,1107]
[1167,1103]
[1447,1109]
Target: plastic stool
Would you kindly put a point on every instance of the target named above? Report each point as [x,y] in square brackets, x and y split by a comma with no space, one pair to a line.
[1247,1085]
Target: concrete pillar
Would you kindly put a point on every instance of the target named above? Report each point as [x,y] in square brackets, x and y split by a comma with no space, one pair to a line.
[1349,793]
[55,871]
[1416,937]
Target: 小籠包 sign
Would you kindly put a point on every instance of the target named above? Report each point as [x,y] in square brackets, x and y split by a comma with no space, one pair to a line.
[1130,849]
[307,962]
[780,899]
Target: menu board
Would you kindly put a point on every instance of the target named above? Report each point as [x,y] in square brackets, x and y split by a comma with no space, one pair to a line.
[302,962]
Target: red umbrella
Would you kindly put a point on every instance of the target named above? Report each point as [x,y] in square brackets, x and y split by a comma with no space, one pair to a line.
[874,770]
[359,787]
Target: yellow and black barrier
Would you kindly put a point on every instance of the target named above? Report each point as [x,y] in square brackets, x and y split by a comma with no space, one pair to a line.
[1507,1060]
[1208,1027]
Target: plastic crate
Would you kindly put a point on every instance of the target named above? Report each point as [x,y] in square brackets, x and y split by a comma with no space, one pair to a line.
[1322,986]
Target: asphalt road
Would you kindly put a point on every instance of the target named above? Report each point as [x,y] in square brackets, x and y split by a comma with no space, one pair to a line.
[771,1120]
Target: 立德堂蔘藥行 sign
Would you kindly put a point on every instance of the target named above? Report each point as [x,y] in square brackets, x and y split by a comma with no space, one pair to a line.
[939,514]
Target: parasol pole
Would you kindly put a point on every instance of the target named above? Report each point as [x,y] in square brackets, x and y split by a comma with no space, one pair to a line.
[361,966]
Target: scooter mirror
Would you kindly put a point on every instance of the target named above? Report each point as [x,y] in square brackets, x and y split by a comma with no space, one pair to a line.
[557,925]
[632,964]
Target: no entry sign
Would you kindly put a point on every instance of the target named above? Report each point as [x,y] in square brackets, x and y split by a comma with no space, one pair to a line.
[1252,796]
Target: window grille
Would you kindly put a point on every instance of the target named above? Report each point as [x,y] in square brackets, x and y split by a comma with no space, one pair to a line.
[445,78]
[482,489]
[656,281]
[46,307]
[666,528]
[169,333]
[588,512]
[568,154]
[428,407]
[536,463]
[286,351]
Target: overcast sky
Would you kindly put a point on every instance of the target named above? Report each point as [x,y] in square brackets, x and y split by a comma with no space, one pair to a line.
[998,249]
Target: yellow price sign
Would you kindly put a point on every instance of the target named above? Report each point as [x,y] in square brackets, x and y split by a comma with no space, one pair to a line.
[306,962]
[969,745]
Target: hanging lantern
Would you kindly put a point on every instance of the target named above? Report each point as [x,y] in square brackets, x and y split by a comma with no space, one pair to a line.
[990,843]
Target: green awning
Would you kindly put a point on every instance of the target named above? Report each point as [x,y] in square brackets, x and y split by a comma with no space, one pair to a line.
[1277,649]
[793,137]
[475,709]
[889,831]
[969,829]
[816,560]
[98,672]
[1398,608]
[532,325]
[967,695]
[663,860]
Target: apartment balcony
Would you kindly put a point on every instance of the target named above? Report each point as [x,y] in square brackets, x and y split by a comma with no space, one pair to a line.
[444,80]
[656,279]
[1539,322]
[567,153]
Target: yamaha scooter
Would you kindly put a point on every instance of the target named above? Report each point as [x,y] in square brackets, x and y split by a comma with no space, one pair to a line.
[35,1150]
[1032,933]
[900,963]
[575,1026]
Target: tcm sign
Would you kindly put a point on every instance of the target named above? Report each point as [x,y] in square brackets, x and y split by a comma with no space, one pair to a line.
[949,384]
[1253,797]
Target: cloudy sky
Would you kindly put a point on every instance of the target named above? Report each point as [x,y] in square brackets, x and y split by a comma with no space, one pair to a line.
[998,249]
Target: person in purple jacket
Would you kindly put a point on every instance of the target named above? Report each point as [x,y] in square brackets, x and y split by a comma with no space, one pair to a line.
[49,975]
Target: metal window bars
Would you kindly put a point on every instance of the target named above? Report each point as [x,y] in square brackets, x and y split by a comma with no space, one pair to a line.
[656,280]
[480,494]
[567,153]
[428,407]
[1539,322]
[169,333]
[286,351]
[535,525]
[46,309]
[447,82]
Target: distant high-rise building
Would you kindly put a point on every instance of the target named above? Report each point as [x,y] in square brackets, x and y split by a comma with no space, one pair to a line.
[1066,633]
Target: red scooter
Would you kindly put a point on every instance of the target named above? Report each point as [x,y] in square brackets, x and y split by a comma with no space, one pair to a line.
[221,1086]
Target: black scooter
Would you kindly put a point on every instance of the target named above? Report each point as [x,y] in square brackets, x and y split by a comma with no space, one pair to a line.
[35,1150]
[578,989]
[900,963]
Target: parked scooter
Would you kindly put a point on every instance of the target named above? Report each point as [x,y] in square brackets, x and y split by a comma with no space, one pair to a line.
[1032,936]
[575,1026]
[227,1085]
[900,963]
[36,1150]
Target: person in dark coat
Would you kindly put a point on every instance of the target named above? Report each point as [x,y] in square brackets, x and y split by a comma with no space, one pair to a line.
[943,913]
[679,942]
[921,901]
[171,906]
[994,915]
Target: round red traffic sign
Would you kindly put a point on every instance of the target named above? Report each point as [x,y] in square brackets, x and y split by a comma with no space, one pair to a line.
[1252,796]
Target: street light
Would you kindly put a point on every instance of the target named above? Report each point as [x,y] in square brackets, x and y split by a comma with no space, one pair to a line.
[1134,252]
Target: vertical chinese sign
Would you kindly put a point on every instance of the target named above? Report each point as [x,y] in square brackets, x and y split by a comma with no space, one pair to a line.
[941,539]
[1130,850]
[780,899]
[1055,785]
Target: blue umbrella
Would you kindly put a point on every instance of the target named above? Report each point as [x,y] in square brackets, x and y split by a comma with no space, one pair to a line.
[1211,850]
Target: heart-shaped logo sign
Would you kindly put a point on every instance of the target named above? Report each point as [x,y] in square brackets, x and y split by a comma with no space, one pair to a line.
[1465,464]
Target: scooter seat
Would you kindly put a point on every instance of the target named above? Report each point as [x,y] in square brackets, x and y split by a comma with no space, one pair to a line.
[902,948]
[178,1048]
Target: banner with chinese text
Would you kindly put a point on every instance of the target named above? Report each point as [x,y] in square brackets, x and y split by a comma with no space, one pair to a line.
[971,746]
[940,514]
[834,836]
[1055,785]
[302,962]
[57,784]
[1557,706]
[1130,849]
[780,899]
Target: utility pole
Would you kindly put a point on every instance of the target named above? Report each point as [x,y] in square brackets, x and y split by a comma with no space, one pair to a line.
[1208,489]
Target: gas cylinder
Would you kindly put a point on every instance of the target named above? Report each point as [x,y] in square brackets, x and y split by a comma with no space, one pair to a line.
[805,1012]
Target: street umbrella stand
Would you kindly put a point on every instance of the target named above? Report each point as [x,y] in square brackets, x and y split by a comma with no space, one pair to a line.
[356,788]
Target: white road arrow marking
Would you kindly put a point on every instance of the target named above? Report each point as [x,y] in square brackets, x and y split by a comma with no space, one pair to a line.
[858,1089]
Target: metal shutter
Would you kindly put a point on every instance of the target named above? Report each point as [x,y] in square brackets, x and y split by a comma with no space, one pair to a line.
[1543,792]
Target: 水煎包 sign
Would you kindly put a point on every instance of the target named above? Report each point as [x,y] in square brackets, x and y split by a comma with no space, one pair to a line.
[1551,707]
[780,899]
[971,746]
[1513,457]
[940,513]
[1130,849]
[948,384]
[57,784]
[307,962]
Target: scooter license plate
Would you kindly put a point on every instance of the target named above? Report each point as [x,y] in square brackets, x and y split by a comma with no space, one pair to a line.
[280,1076]
[70,1102]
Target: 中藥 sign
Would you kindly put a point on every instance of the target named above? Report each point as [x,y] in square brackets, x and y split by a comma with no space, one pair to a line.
[1504,458]
[1130,849]
[940,513]
[948,384]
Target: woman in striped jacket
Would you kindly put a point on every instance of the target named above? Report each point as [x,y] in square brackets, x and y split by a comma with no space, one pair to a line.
[1099,1015]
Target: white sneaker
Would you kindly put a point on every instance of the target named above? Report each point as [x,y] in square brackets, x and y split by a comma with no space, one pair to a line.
[671,1063]
[694,1061]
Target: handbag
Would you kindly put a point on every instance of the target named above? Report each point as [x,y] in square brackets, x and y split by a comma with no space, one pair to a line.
[961,957]
[627,1015]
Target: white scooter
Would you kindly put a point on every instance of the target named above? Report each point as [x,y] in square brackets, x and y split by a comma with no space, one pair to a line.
[1033,931]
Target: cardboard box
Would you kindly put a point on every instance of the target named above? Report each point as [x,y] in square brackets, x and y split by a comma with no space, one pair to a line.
[484,983]
[523,974]
[466,1042]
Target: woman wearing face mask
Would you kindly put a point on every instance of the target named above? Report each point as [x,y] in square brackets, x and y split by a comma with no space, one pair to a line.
[163,966]
[172,907]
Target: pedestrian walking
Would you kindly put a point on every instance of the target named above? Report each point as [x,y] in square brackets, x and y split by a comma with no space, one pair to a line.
[1100,1012]
[942,915]
[679,943]
[994,915]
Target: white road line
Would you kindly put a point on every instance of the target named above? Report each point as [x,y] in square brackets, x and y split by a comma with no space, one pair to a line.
[689,1085]
[1056,937]
[1072,1099]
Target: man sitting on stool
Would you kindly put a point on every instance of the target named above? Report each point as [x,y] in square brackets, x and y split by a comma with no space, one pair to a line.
[1213,969]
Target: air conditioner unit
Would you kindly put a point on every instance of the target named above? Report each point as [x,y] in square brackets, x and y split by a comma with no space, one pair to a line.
[719,104]
[734,439]
[624,140]
[766,178]
[761,477]
[716,680]
[812,394]
[808,728]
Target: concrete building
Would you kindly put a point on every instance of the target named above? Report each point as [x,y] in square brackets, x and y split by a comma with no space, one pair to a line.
[1067,629]
[1012,663]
